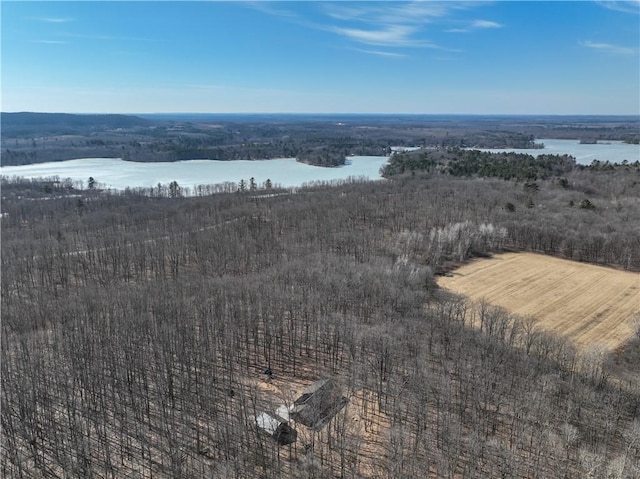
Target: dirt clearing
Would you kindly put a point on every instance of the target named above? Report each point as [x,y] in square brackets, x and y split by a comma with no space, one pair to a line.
[589,304]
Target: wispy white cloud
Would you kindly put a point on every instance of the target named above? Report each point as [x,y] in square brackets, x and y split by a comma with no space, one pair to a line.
[388,36]
[485,24]
[380,53]
[609,48]
[476,25]
[388,13]
[49,42]
[52,19]
[628,6]
[105,38]
[389,24]
[380,24]
[272,8]
[394,36]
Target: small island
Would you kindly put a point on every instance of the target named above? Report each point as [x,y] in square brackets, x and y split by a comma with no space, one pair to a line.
[326,157]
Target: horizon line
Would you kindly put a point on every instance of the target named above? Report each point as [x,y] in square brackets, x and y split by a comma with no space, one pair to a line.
[323,113]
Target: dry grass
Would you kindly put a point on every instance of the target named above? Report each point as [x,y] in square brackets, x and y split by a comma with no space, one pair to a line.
[592,305]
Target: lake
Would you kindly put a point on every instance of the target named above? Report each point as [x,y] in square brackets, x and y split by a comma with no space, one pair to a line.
[286,172]
[118,174]
[614,151]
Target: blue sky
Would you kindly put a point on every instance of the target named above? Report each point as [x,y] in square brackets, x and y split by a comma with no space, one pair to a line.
[474,57]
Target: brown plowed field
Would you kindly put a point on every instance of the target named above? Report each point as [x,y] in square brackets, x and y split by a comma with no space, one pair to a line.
[589,304]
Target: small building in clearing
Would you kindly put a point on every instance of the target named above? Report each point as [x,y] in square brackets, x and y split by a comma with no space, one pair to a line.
[276,428]
[318,404]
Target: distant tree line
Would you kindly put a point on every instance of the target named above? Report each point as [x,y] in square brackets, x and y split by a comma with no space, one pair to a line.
[26,124]
[36,138]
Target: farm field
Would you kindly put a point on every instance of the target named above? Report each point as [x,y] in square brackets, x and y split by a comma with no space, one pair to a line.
[592,305]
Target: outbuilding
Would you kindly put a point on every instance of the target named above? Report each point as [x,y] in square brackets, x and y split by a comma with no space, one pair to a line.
[276,428]
[318,404]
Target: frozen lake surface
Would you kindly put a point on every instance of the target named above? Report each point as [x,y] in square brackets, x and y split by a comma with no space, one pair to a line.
[286,172]
[613,152]
[119,174]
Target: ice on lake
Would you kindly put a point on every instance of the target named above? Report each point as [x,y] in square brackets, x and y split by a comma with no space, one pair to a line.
[613,151]
[118,174]
[286,172]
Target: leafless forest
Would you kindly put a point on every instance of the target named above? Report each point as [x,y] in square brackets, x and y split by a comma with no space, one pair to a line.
[135,330]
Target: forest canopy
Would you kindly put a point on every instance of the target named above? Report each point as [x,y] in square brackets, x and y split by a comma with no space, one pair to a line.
[138,326]
[461,162]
